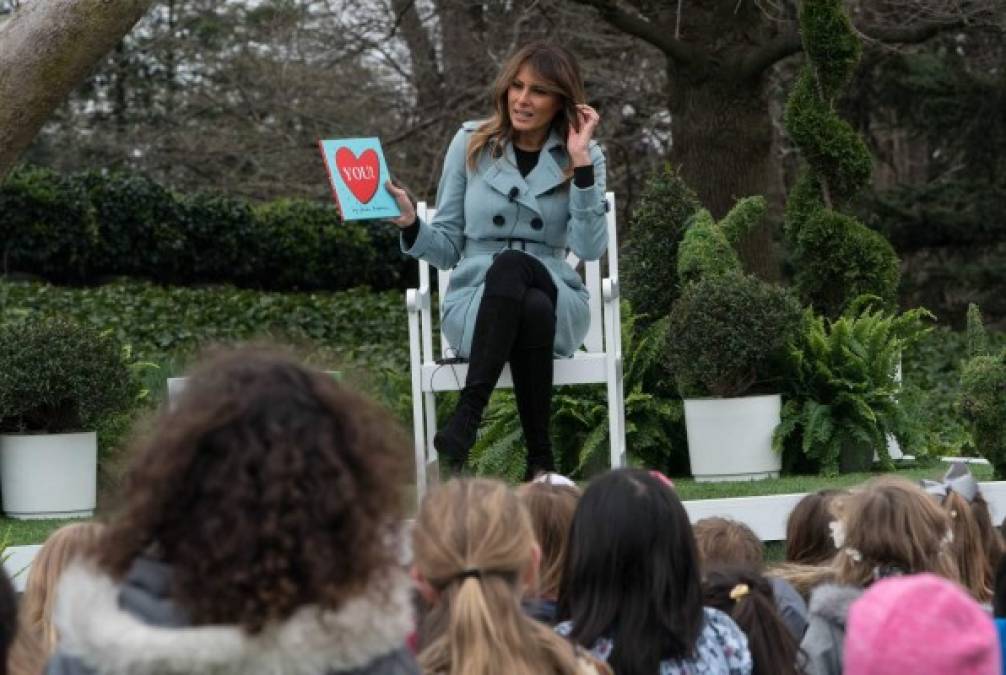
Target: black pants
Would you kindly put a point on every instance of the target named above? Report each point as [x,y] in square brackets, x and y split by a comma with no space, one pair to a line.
[522,278]
[519,276]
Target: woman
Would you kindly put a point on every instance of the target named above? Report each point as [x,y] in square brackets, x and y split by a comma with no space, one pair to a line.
[631,591]
[36,633]
[475,556]
[517,191]
[259,536]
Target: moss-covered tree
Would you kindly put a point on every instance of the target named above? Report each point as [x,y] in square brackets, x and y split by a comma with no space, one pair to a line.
[837,258]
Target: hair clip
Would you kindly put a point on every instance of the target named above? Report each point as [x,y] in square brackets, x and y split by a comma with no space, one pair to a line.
[739,591]
[552,478]
[837,533]
[853,553]
[471,572]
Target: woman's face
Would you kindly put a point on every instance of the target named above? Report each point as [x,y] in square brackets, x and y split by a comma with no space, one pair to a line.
[531,105]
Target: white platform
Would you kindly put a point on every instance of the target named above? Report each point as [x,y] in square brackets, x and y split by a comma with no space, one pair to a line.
[765,515]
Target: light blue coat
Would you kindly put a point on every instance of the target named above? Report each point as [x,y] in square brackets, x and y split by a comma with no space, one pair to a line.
[475,216]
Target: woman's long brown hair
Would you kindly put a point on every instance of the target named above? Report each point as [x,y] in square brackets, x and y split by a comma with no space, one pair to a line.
[561,73]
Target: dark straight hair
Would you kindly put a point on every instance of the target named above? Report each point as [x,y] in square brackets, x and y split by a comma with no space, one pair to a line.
[632,573]
[747,597]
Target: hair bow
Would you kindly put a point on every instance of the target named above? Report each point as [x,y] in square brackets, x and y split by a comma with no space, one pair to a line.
[957,479]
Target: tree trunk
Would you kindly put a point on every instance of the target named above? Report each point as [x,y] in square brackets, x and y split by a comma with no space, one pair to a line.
[46,49]
[721,133]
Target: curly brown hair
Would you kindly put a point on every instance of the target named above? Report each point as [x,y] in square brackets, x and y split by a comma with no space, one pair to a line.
[267,487]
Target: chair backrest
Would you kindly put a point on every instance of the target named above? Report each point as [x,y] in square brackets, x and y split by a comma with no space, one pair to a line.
[590,271]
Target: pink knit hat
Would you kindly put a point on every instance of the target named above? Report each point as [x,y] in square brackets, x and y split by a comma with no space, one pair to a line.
[919,624]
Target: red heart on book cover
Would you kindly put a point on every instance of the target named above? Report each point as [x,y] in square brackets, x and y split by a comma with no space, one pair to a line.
[360,174]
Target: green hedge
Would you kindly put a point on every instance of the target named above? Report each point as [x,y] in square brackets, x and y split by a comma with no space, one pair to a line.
[85,227]
[161,322]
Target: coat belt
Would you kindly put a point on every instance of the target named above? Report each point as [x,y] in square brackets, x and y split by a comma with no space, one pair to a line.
[493,246]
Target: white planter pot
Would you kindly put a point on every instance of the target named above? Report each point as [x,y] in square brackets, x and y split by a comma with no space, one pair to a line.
[730,439]
[49,475]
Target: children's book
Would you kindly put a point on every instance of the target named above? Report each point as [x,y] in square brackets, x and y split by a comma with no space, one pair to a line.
[357,172]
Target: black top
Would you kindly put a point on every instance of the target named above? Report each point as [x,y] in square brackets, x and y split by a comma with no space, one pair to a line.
[526,160]
[583,177]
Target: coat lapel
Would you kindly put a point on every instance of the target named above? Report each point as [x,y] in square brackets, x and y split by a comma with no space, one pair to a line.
[547,173]
[503,175]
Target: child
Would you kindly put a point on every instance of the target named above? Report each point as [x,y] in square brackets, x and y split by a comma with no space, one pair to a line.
[631,591]
[258,536]
[977,545]
[747,597]
[474,556]
[808,537]
[919,624]
[8,618]
[888,528]
[36,635]
[722,541]
[551,508]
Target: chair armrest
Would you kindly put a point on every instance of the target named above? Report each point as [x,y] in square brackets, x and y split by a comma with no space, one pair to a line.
[417,299]
[609,289]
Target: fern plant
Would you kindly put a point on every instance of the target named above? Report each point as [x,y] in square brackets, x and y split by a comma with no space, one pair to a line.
[843,397]
[653,428]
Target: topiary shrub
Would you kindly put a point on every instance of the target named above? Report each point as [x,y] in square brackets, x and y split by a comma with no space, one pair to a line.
[727,334]
[982,399]
[58,376]
[649,256]
[837,257]
[709,248]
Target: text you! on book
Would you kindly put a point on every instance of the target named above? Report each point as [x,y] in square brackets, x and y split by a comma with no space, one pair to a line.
[357,172]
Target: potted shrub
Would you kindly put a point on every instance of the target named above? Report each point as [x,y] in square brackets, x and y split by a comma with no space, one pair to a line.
[57,381]
[727,335]
[982,399]
[843,385]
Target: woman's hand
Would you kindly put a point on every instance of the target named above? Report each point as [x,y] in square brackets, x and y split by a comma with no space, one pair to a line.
[405,205]
[578,142]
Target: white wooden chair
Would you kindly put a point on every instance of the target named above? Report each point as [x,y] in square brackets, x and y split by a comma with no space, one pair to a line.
[599,361]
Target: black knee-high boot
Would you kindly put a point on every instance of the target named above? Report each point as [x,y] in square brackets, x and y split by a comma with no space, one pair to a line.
[496,326]
[532,383]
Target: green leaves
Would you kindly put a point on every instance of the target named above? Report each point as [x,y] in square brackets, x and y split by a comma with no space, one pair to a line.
[57,376]
[729,331]
[982,399]
[843,387]
[158,321]
[90,225]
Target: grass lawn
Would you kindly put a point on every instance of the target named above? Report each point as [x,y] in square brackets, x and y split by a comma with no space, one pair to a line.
[689,489]
[21,532]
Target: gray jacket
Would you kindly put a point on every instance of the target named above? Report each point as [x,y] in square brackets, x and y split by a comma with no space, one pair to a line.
[134,628]
[822,643]
[791,606]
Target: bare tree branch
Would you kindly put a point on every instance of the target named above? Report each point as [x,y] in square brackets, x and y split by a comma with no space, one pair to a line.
[764,57]
[660,37]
